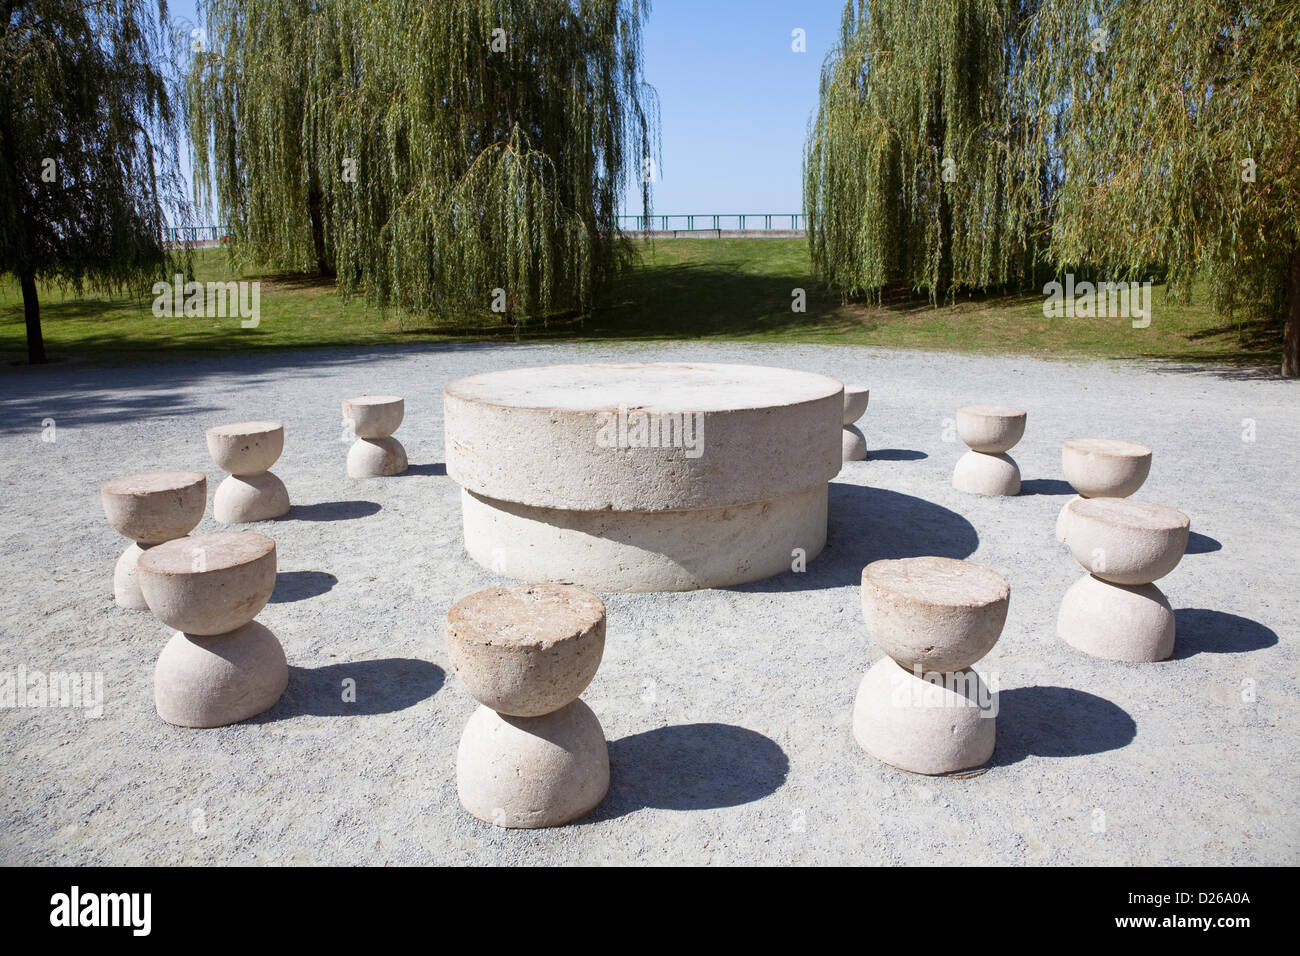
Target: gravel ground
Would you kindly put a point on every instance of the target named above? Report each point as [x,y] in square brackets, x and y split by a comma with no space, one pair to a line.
[727,711]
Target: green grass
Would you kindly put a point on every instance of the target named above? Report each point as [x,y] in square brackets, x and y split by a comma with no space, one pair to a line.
[724,289]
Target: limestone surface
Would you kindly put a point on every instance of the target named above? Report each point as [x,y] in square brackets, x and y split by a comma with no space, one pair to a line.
[376,458]
[1124,540]
[987,473]
[211,681]
[1121,622]
[853,445]
[243,499]
[157,506]
[855,402]
[211,583]
[528,650]
[374,416]
[532,771]
[938,614]
[937,726]
[990,428]
[1105,467]
[246,448]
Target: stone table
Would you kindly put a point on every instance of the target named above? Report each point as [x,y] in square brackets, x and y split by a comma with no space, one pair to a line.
[644,476]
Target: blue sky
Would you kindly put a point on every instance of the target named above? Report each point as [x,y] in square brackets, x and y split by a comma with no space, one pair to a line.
[734,98]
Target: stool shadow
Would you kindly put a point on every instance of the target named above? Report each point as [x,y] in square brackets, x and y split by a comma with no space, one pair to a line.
[382,687]
[333,510]
[867,524]
[1046,721]
[895,454]
[1199,630]
[1046,486]
[1201,544]
[300,585]
[690,767]
[437,468]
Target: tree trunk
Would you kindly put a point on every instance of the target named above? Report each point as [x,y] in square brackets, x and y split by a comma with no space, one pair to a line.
[314,203]
[32,312]
[1291,337]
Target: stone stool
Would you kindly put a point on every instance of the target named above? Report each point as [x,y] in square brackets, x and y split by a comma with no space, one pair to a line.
[990,431]
[533,755]
[1114,611]
[374,418]
[221,666]
[149,509]
[853,443]
[923,708]
[251,492]
[1102,468]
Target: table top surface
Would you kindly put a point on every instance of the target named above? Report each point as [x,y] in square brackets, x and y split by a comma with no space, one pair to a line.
[658,386]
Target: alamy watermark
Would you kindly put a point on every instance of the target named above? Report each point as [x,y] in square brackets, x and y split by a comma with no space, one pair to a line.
[178,298]
[1126,300]
[921,688]
[78,690]
[639,429]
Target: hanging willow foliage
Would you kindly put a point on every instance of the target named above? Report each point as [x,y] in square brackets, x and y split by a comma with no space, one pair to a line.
[1182,129]
[910,93]
[426,153]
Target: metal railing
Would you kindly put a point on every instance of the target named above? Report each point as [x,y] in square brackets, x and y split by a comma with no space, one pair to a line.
[672,222]
[709,222]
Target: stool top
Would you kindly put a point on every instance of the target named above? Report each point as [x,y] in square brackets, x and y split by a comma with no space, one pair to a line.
[944,582]
[1108,448]
[527,615]
[1130,513]
[206,553]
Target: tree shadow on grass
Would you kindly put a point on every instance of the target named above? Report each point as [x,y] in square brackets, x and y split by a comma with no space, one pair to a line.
[691,767]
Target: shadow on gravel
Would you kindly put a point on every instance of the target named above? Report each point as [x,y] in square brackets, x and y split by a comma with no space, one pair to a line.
[437,468]
[868,524]
[1046,486]
[690,767]
[381,687]
[895,454]
[300,585]
[332,511]
[1201,544]
[1057,722]
[1199,630]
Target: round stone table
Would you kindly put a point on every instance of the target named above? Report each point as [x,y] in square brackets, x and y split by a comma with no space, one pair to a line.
[643,476]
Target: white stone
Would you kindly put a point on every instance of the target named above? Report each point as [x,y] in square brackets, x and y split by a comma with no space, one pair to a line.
[211,583]
[1124,540]
[924,726]
[1120,622]
[213,681]
[532,771]
[990,428]
[646,551]
[853,444]
[527,650]
[939,614]
[983,473]
[374,416]
[855,403]
[376,458]
[156,506]
[246,448]
[243,499]
[1104,467]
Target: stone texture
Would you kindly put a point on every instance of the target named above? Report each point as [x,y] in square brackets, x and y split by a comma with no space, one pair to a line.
[1120,622]
[855,403]
[1124,540]
[376,458]
[203,681]
[939,614]
[246,448]
[528,650]
[209,584]
[645,551]
[242,499]
[533,436]
[157,506]
[853,445]
[532,771]
[374,416]
[990,428]
[983,473]
[923,727]
[1104,467]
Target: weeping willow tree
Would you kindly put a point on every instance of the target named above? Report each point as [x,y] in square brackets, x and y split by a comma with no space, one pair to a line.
[427,154]
[1181,134]
[913,171]
[89,136]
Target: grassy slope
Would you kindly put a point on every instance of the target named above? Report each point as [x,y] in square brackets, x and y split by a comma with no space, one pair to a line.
[683,288]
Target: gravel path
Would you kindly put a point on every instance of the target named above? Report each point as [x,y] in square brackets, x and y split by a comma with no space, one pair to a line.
[727,710]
